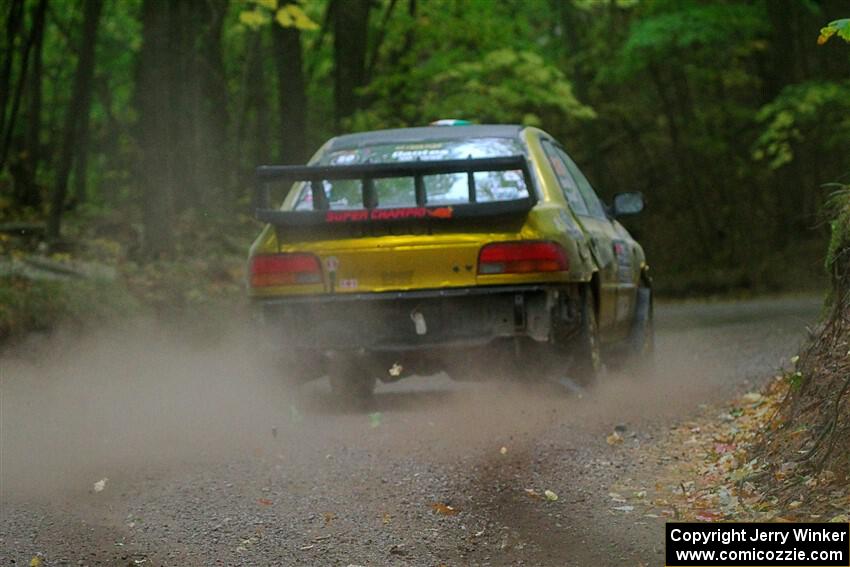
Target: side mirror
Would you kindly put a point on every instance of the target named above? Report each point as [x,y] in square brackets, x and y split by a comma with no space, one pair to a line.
[627,204]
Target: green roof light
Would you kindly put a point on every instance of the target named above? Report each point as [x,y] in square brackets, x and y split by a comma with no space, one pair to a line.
[450,122]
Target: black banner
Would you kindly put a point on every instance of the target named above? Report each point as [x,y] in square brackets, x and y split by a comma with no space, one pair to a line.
[761,544]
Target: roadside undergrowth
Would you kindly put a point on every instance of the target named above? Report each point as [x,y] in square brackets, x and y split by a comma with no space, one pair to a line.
[778,454]
[810,438]
[98,275]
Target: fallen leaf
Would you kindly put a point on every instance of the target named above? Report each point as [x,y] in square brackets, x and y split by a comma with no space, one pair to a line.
[35,561]
[443,509]
[533,493]
[614,439]
[550,496]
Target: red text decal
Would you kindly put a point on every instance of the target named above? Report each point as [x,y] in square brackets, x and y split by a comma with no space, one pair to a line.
[388,214]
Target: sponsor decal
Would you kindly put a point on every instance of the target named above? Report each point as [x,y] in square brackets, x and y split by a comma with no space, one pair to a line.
[624,261]
[347,216]
[388,214]
[441,213]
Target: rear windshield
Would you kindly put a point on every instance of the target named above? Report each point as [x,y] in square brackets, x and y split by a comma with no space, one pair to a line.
[443,189]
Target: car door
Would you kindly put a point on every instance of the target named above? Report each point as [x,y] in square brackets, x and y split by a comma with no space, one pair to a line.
[597,226]
[615,238]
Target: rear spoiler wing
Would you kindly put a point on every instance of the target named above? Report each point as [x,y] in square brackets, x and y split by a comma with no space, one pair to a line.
[368,172]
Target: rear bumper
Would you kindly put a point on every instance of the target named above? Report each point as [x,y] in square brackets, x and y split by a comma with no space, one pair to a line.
[412,320]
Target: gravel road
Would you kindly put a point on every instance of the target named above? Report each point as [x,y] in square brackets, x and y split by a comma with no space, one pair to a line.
[209,461]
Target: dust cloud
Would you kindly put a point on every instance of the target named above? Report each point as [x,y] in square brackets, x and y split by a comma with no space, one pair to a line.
[74,409]
[143,397]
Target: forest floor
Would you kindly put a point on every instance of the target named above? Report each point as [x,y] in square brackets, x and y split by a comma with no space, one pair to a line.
[145,470]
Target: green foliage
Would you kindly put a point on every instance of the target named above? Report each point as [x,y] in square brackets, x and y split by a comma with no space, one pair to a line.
[841,28]
[839,242]
[804,113]
[686,30]
[506,86]
[27,305]
[264,12]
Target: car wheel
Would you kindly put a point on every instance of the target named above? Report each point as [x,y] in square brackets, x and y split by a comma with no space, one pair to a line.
[587,352]
[350,380]
[641,348]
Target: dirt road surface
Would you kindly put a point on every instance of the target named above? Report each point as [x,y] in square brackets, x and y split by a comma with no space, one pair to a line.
[141,447]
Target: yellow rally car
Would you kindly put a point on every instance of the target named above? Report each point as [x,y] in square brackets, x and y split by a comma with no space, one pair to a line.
[471,249]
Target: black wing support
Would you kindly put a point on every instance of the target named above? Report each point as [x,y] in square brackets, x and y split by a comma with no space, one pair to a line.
[366,173]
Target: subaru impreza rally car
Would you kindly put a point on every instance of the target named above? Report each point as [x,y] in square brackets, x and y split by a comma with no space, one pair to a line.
[471,249]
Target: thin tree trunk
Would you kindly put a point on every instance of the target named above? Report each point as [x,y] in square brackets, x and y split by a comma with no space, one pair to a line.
[78,110]
[6,140]
[256,102]
[291,97]
[81,164]
[685,174]
[351,35]
[14,19]
[379,40]
[572,24]
[216,170]
[152,102]
[28,194]
[182,86]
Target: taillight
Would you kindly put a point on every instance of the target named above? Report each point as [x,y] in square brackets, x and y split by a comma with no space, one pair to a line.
[522,258]
[285,269]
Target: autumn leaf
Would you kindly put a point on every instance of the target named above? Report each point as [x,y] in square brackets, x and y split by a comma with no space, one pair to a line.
[292,16]
[270,4]
[443,509]
[253,19]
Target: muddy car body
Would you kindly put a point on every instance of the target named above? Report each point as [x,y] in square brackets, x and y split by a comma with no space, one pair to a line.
[411,250]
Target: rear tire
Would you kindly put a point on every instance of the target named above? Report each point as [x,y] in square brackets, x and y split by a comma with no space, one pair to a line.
[586,349]
[641,357]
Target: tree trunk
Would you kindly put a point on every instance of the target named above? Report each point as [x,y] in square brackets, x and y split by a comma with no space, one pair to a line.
[14,19]
[8,134]
[291,96]
[183,91]
[78,110]
[351,35]
[379,39]
[255,111]
[216,171]
[152,103]
[28,193]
